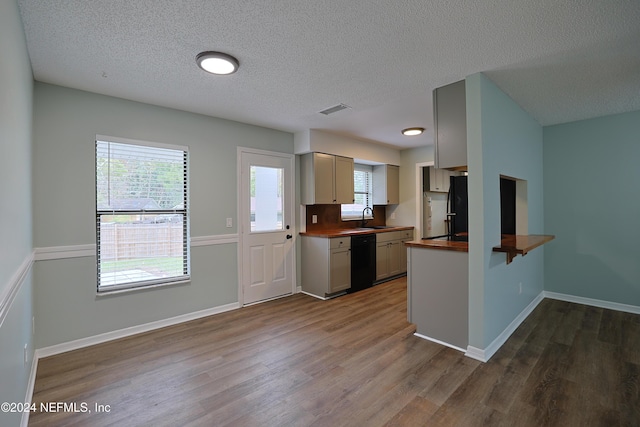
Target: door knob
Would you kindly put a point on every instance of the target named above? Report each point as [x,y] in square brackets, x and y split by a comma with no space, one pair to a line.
[289,236]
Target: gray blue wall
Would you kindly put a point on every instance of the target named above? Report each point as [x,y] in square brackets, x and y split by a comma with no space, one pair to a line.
[592,205]
[66,122]
[502,139]
[16,88]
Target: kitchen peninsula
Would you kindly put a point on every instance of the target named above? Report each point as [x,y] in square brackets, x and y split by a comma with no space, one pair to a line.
[438,290]
[438,285]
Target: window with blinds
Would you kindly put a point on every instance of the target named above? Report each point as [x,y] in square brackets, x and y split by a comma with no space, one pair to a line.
[142,221]
[363,196]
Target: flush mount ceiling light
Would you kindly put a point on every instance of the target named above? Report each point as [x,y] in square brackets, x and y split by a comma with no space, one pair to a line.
[217,63]
[412,131]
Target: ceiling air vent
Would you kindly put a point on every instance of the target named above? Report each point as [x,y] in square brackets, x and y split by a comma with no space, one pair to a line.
[334,109]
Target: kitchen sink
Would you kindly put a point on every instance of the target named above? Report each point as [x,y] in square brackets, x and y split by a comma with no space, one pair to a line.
[375,227]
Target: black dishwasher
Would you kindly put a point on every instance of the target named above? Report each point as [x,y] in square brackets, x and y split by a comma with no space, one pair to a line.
[363,261]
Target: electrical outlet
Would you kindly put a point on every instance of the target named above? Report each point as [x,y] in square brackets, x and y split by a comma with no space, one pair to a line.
[314,219]
[229,222]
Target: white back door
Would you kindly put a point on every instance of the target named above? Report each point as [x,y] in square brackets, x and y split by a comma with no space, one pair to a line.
[266,215]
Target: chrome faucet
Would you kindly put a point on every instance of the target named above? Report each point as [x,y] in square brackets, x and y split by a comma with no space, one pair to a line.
[364,221]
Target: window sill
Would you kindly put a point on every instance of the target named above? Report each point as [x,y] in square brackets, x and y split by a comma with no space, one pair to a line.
[356,218]
[141,288]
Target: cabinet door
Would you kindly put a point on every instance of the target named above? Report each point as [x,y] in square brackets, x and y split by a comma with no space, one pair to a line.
[439,179]
[435,180]
[386,185]
[382,260]
[339,270]
[393,185]
[343,180]
[395,258]
[324,178]
[450,120]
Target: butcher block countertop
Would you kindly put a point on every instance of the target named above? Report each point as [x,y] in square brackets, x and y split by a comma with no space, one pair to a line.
[342,232]
[510,244]
[513,245]
[442,244]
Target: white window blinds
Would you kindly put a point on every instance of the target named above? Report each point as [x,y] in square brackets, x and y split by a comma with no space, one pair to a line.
[142,222]
[362,185]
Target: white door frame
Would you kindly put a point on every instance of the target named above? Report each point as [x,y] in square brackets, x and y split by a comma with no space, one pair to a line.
[420,198]
[290,198]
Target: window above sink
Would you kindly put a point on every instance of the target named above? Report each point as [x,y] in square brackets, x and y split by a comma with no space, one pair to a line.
[363,194]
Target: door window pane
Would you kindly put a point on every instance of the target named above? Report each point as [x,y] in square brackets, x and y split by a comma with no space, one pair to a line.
[266,198]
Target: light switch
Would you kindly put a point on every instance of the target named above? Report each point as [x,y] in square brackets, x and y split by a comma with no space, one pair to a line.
[314,219]
[229,222]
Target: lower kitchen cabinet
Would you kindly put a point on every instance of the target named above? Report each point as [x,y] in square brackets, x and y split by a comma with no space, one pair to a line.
[391,255]
[388,259]
[326,265]
[339,269]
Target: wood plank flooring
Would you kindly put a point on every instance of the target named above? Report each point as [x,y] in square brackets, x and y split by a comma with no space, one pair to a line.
[351,361]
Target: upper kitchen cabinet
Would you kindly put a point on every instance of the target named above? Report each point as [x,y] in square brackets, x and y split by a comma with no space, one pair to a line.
[437,180]
[326,179]
[386,185]
[450,126]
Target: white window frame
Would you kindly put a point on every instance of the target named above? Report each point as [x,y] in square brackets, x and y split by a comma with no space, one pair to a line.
[180,210]
[348,211]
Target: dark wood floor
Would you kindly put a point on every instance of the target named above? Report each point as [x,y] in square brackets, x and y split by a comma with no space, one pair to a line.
[351,361]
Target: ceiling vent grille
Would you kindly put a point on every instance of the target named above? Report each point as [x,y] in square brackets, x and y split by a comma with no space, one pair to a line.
[334,109]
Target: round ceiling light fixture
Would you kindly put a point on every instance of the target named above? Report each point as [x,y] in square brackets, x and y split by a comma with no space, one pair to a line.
[412,131]
[217,63]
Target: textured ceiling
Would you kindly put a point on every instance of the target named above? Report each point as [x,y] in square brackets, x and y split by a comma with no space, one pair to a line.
[561,60]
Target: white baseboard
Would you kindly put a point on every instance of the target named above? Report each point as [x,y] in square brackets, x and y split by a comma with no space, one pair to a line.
[446,344]
[484,355]
[24,422]
[593,302]
[122,333]
[476,353]
[312,295]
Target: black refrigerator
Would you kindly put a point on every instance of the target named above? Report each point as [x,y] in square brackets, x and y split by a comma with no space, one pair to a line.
[458,206]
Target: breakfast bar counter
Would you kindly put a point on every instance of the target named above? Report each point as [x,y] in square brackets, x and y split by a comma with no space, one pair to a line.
[443,244]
